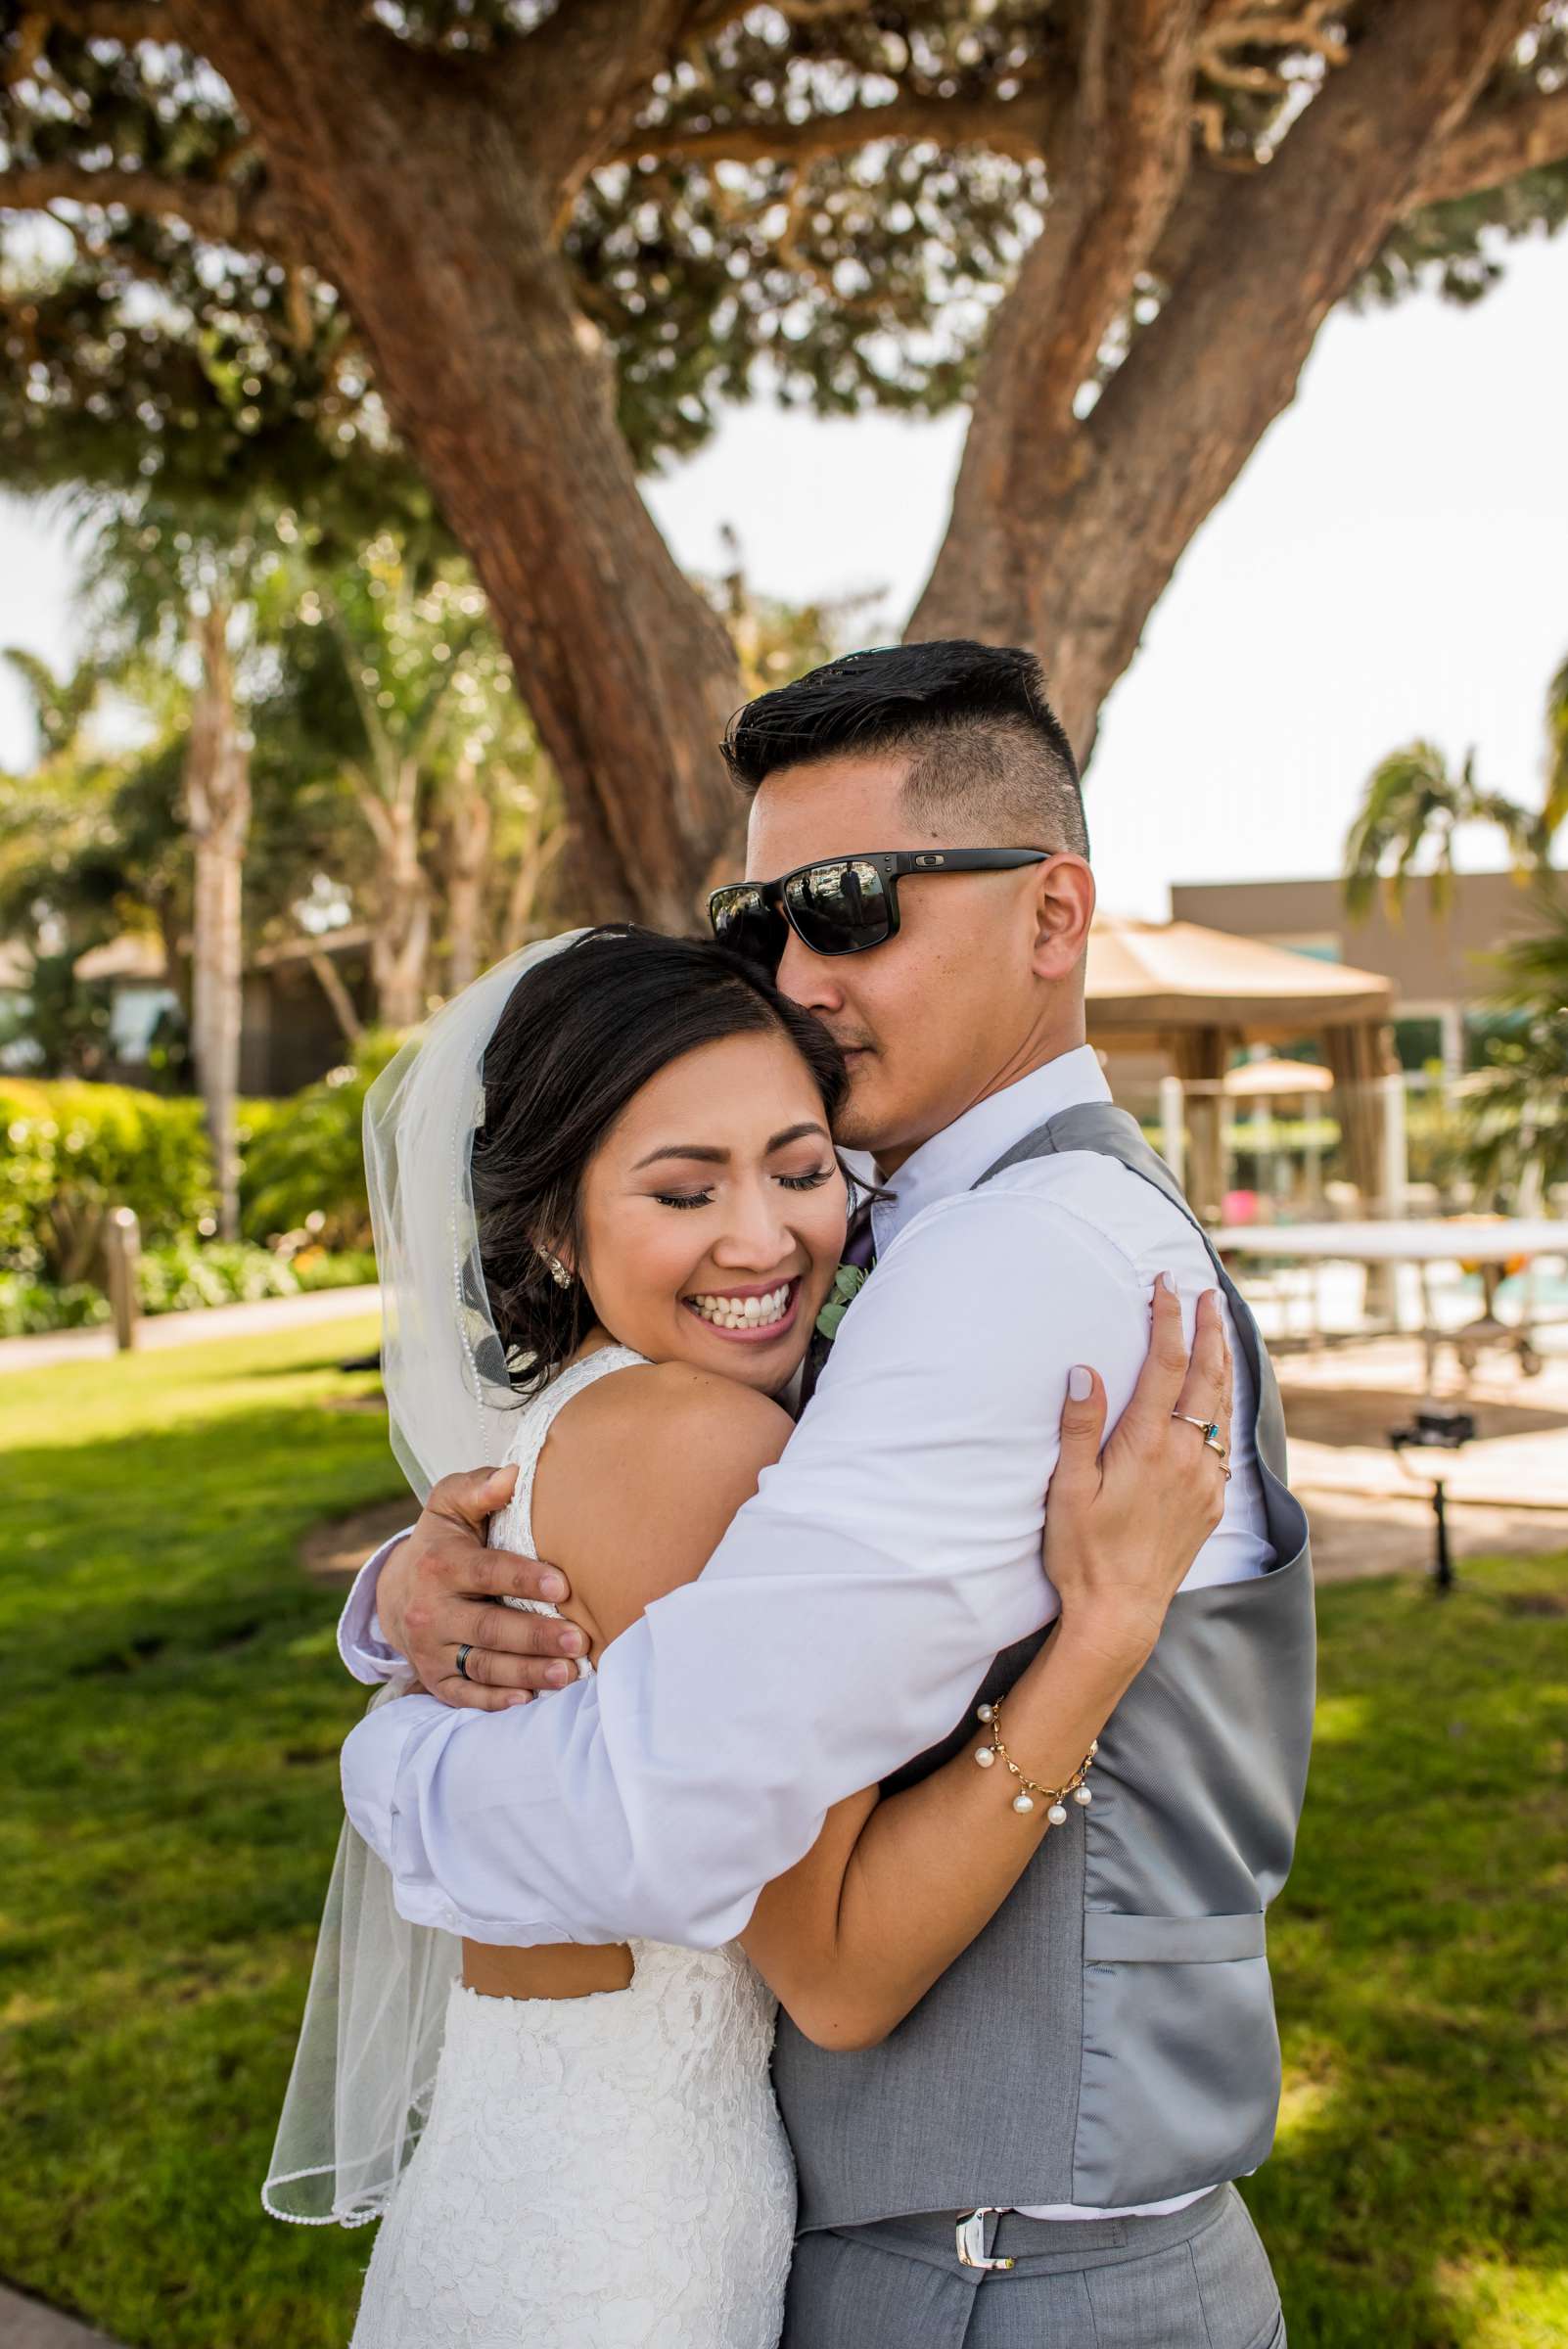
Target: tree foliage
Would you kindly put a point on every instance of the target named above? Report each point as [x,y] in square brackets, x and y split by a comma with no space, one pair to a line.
[484,258]
[759,225]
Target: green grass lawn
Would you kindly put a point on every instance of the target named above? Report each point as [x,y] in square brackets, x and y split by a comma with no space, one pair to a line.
[171,1709]
[170,1712]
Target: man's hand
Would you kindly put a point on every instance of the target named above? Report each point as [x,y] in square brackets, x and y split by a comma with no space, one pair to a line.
[440,1590]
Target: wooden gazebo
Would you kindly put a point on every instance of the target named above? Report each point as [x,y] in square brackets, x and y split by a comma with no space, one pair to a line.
[1193,995]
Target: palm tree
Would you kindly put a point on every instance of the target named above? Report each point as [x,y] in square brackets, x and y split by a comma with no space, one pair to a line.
[166,597]
[1556,806]
[1415,806]
[1516,1108]
[400,687]
[86,846]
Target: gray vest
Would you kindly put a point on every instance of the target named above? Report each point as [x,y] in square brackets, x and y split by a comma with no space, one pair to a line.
[1109,2039]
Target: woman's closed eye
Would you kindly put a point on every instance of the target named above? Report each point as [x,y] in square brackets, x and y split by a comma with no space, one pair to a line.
[809,1182]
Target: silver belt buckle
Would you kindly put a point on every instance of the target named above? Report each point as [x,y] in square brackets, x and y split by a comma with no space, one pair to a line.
[971,2234]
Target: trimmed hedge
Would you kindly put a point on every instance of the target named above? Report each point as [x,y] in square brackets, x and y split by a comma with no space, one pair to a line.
[31,1307]
[178,1279]
[70,1151]
[301,1159]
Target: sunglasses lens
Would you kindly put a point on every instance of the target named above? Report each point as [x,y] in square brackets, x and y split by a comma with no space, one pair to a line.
[743,921]
[840,908]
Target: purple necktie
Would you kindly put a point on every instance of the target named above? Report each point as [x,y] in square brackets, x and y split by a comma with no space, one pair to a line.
[859,1247]
[859,1250]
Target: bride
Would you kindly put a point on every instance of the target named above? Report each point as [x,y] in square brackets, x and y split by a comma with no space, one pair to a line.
[608,1215]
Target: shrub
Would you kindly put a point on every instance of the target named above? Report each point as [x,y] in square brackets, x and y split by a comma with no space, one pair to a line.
[70,1151]
[302,1165]
[180,1277]
[344,1268]
[29,1308]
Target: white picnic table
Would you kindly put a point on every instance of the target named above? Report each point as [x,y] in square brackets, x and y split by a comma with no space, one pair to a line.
[1421,1242]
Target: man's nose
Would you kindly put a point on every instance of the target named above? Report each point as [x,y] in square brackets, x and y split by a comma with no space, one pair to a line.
[809,978]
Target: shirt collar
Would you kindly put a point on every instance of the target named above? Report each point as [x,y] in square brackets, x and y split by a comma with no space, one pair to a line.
[956,1159]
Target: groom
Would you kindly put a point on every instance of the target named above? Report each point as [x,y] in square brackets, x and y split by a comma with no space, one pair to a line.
[1039,2156]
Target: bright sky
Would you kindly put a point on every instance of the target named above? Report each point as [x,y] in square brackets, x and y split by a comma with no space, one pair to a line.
[1390,564]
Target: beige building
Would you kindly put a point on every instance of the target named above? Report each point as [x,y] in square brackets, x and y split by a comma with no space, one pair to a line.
[303,1002]
[1436,962]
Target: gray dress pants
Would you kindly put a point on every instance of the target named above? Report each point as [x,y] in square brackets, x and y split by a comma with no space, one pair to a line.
[1197,2278]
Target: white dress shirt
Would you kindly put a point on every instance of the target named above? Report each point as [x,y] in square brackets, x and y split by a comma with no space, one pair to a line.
[857,1601]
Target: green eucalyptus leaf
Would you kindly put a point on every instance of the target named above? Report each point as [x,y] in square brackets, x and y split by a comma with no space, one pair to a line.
[847,1282]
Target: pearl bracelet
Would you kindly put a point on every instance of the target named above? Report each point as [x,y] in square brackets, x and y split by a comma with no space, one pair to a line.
[1054,1797]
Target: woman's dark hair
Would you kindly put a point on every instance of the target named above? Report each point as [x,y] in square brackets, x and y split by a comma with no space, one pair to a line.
[582,1032]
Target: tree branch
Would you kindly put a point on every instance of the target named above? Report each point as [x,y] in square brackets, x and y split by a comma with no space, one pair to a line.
[222,216]
[1017,126]
[1498,141]
[580,80]
[1125,152]
[1067,538]
[126,22]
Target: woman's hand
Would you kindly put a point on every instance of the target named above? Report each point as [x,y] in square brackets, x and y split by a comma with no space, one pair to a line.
[1124,1525]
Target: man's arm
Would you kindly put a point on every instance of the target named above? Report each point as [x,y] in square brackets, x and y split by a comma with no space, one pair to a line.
[470,1580]
[841,1627]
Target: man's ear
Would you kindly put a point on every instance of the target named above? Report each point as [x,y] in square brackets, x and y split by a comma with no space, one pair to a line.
[1064,909]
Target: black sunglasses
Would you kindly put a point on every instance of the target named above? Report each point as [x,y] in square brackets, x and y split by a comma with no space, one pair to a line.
[843,905]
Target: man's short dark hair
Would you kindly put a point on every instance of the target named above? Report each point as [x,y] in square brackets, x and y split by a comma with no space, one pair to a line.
[987,758]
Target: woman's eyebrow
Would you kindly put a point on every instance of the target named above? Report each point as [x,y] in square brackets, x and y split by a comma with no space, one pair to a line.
[797,1133]
[709,1155]
[705,1151]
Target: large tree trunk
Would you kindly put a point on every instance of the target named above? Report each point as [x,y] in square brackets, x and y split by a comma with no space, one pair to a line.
[217,811]
[429,211]
[1063,535]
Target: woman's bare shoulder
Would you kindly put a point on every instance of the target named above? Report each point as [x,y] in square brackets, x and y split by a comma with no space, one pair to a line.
[640,1477]
[650,1406]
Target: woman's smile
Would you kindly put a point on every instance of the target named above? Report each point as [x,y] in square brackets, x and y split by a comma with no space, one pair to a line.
[751,1311]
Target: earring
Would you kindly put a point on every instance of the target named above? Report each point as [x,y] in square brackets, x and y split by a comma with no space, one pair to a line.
[556,1270]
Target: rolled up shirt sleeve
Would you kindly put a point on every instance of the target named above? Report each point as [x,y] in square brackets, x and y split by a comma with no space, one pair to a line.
[363,1651]
[841,1627]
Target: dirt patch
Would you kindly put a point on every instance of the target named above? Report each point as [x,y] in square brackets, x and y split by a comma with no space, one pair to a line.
[1358,1415]
[1354,1535]
[336,1550]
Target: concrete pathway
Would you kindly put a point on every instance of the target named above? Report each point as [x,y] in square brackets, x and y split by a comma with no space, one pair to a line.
[187,1329]
[28,2324]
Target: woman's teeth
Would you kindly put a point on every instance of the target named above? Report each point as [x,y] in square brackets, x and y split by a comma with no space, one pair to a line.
[742,1313]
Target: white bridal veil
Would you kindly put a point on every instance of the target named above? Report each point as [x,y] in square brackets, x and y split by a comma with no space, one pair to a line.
[365,2067]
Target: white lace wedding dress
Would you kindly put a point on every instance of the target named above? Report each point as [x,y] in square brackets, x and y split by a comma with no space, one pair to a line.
[607,2171]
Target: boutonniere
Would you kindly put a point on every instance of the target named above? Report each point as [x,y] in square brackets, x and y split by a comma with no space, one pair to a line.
[847,1282]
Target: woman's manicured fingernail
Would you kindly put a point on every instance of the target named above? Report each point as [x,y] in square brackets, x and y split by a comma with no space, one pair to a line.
[1079,1385]
[553,1587]
[520,1696]
[558,1675]
[573,1643]
[1168,1282]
